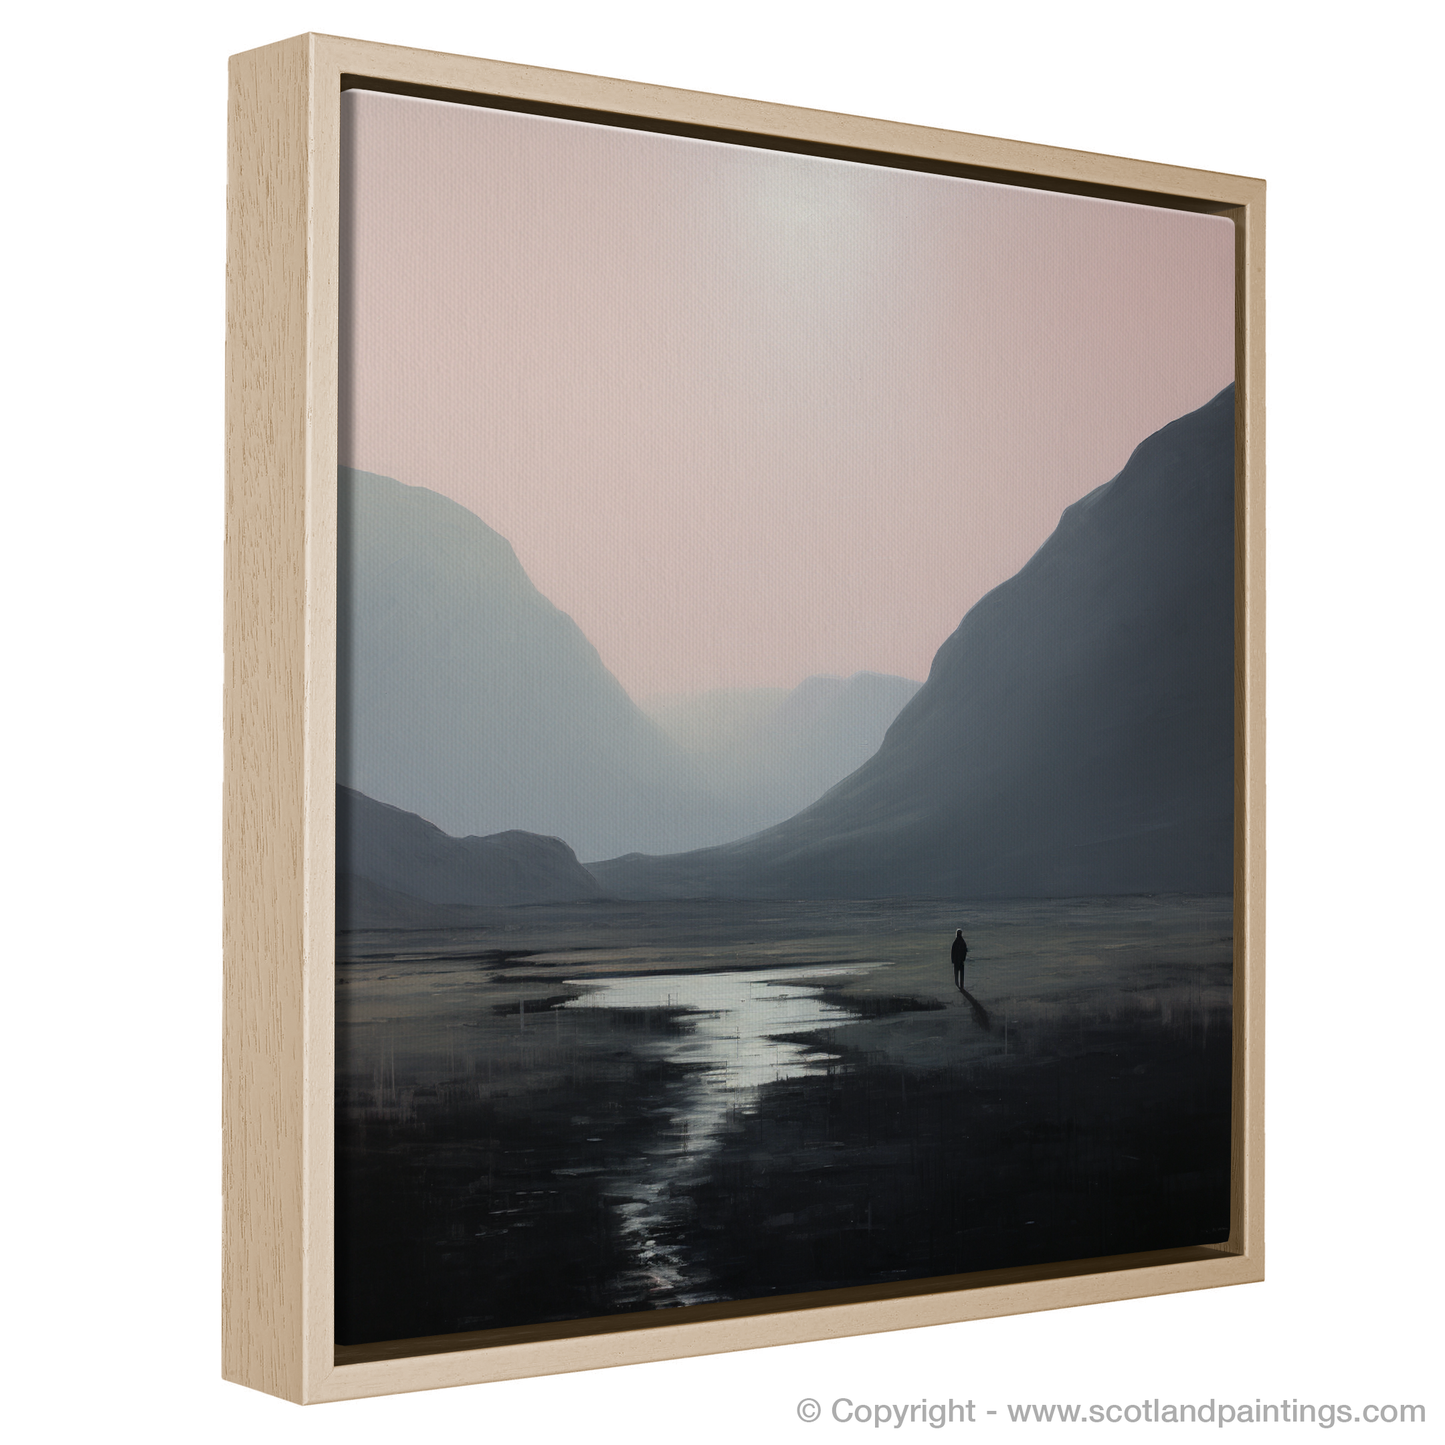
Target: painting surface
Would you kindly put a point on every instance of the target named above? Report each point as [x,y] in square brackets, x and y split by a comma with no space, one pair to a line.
[758,572]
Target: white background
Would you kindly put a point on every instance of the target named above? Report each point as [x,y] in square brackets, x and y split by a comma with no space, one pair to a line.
[115,136]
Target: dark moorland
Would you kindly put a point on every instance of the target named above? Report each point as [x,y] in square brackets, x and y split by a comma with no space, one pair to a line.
[581,1109]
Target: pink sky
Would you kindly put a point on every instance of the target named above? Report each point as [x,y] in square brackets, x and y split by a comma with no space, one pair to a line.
[750,416]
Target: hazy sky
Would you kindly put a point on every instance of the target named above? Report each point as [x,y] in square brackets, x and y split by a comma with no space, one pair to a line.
[749,416]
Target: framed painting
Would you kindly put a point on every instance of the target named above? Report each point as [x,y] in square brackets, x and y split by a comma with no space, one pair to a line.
[744,723]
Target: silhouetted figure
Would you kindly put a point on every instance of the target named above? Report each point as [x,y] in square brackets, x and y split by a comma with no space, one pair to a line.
[959,954]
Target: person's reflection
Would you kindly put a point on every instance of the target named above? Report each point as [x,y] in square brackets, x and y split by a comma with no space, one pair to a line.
[980,1014]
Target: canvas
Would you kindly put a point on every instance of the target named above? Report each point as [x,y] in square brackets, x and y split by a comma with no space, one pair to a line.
[759,575]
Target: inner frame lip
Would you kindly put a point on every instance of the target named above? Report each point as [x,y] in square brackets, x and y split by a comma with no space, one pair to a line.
[758,140]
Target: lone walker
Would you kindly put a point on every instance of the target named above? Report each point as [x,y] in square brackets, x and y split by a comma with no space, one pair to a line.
[959,954]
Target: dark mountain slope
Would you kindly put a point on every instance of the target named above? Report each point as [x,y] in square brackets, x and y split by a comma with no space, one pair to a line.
[379,847]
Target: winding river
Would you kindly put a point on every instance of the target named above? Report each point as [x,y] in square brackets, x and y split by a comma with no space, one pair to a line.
[734,1044]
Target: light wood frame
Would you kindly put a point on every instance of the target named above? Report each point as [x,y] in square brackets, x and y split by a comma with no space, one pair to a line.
[281,443]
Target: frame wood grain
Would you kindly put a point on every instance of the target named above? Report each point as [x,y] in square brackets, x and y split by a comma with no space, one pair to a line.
[280,727]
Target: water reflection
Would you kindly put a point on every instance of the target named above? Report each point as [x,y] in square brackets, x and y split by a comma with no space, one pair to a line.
[735,1044]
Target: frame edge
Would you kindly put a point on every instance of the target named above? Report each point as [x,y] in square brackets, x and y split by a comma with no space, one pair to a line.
[268,342]
[283,219]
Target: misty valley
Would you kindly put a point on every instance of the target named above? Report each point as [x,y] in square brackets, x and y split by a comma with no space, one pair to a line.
[654,1008]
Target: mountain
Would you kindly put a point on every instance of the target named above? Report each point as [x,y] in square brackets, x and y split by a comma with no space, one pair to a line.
[770,751]
[467,697]
[717,723]
[1075,734]
[362,904]
[392,862]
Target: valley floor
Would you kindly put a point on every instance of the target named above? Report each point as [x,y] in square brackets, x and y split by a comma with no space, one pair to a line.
[583,1109]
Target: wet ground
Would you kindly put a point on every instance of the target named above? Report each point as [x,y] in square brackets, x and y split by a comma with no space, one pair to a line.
[590,1108]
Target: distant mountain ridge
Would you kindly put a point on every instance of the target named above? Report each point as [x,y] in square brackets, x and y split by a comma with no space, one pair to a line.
[469,699]
[770,751]
[394,865]
[1075,734]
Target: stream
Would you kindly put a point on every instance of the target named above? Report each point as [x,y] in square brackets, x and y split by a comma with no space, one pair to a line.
[733,1045]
